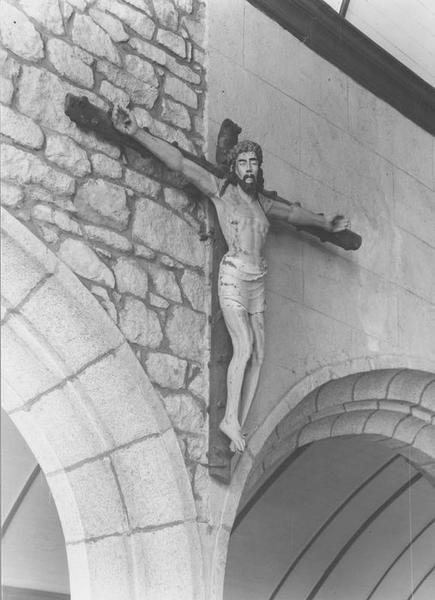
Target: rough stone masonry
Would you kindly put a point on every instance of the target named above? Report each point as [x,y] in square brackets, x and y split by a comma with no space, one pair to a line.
[121,223]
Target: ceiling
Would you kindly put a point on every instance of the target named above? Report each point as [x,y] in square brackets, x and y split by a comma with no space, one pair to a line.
[33,547]
[404,28]
[346,519]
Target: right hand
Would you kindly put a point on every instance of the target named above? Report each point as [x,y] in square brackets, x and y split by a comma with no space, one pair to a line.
[124,120]
[337,223]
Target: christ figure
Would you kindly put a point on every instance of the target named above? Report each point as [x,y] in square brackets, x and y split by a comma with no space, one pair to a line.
[244,216]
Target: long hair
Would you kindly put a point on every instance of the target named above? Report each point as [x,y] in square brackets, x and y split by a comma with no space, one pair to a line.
[244,146]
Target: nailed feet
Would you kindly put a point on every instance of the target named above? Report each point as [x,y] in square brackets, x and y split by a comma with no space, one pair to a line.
[233,431]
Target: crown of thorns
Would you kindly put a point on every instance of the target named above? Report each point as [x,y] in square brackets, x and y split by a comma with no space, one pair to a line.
[245,146]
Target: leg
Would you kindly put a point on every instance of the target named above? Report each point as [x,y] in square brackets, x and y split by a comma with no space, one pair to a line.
[239,328]
[253,370]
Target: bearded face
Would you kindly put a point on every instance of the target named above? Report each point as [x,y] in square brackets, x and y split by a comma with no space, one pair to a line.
[246,169]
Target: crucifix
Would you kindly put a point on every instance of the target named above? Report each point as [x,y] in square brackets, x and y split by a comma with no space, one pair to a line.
[244,210]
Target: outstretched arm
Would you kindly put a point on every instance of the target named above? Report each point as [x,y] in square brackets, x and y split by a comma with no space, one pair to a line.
[301,217]
[125,122]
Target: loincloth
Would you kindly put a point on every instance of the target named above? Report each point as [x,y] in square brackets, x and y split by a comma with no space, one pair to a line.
[242,285]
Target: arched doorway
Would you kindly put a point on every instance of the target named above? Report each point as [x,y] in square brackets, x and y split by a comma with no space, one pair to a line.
[390,409]
[34,562]
[78,396]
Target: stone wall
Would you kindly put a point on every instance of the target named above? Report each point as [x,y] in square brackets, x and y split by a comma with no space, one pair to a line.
[333,146]
[121,223]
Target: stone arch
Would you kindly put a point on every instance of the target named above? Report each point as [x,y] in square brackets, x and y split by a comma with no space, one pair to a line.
[390,399]
[84,405]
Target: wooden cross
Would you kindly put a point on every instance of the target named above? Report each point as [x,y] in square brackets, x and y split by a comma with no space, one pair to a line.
[91,118]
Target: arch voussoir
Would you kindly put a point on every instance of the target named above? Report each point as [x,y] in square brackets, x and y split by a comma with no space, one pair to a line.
[410,386]
[374,384]
[384,404]
[383,422]
[351,423]
[316,430]
[86,408]
[425,440]
[427,398]
[333,392]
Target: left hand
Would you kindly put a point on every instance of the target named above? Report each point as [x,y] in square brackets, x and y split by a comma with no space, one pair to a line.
[337,223]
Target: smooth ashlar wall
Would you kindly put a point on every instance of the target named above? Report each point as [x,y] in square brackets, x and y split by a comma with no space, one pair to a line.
[332,146]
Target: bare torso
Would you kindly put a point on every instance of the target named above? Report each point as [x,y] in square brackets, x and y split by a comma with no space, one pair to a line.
[244,226]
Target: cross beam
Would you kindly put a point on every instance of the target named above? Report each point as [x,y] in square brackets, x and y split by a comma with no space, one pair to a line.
[89,117]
